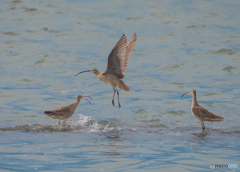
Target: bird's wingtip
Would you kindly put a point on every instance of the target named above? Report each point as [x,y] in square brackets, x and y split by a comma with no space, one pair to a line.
[135,36]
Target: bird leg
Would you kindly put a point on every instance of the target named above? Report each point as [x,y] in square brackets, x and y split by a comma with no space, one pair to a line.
[113,96]
[203,127]
[119,105]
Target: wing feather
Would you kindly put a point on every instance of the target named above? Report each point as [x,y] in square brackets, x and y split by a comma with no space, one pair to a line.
[116,58]
[119,56]
[205,114]
[59,112]
[130,47]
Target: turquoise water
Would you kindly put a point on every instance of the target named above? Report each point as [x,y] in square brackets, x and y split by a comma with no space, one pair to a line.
[182,45]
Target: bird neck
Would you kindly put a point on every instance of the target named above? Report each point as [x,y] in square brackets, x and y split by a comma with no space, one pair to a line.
[194,100]
[100,75]
[77,102]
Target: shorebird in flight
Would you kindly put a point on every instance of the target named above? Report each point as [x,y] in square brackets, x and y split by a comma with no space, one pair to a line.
[117,65]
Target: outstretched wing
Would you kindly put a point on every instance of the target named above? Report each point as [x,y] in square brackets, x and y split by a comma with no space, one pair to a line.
[116,59]
[130,47]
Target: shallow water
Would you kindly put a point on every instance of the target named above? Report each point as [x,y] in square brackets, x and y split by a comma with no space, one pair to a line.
[182,45]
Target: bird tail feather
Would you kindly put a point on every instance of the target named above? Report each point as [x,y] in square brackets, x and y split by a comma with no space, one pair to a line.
[123,86]
[47,112]
[214,119]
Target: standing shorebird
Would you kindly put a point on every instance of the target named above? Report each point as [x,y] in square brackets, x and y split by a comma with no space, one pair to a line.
[117,65]
[65,112]
[201,113]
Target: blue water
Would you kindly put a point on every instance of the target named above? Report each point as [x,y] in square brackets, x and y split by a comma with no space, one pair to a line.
[181,45]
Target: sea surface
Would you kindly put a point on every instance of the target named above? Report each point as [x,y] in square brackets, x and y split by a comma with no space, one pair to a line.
[181,45]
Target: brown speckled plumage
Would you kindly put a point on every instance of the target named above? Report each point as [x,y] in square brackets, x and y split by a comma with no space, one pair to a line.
[65,112]
[117,65]
[201,113]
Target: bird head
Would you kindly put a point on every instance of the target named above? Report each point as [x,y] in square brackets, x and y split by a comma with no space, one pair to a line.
[95,71]
[79,97]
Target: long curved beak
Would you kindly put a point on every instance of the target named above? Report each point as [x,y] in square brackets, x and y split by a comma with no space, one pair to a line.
[86,99]
[87,96]
[83,72]
[185,93]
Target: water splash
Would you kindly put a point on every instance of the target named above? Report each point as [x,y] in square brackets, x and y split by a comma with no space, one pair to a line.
[84,124]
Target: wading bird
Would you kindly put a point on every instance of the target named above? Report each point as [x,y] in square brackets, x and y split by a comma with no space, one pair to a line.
[65,112]
[201,113]
[117,65]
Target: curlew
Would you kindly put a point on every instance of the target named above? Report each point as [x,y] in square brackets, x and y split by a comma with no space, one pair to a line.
[65,112]
[117,65]
[201,113]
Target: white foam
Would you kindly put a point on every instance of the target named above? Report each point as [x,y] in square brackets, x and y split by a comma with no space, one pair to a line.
[106,128]
[87,124]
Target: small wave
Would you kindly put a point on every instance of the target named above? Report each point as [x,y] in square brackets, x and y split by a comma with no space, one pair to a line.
[84,124]
[171,67]
[10,33]
[196,26]
[223,51]
[229,69]
[210,131]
